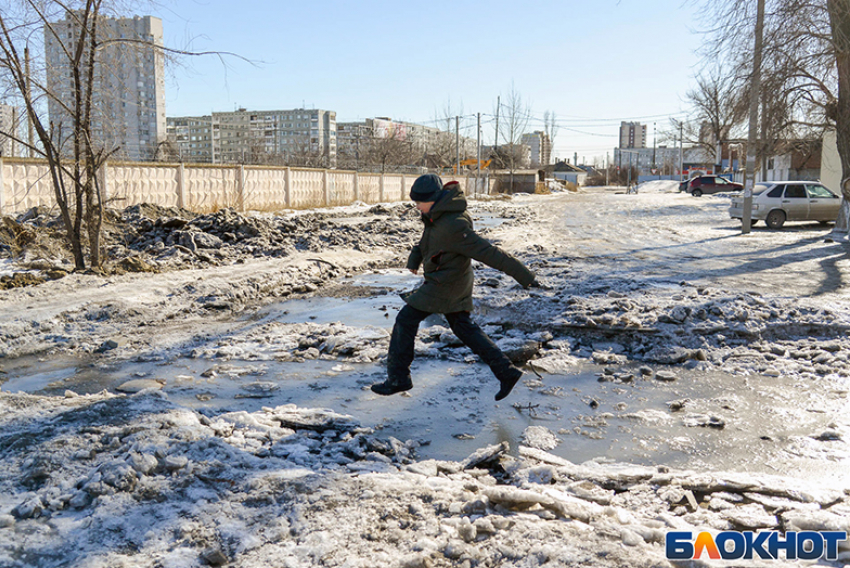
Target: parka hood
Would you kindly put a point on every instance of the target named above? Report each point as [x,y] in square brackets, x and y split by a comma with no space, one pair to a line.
[451,200]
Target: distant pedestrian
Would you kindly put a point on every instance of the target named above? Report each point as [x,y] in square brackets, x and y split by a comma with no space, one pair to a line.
[445,250]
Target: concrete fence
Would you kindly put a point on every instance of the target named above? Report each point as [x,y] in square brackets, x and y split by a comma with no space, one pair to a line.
[26,183]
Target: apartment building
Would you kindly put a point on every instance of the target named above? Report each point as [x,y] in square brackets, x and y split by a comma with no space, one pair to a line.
[189,139]
[295,137]
[632,135]
[357,141]
[129,95]
[540,146]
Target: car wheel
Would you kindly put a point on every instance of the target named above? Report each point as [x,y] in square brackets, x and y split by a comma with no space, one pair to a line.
[775,219]
[753,222]
[697,193]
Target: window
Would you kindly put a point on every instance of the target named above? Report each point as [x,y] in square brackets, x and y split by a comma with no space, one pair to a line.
[776,191]
[795,192]
[816,191]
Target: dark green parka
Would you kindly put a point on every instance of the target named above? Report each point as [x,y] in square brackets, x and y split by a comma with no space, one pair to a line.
[446,247]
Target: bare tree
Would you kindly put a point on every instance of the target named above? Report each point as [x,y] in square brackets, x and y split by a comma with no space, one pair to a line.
[391,146]
[73,170]
[75,139]
[720,107]
[515,116]
[807,62]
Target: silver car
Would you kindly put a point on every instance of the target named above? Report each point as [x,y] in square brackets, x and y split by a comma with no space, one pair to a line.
[778,201]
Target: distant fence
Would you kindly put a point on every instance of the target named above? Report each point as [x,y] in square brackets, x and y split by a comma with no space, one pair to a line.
[26,183]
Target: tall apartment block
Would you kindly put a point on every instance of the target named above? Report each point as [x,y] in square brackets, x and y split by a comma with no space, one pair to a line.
[8,125]
[632,135]
[129,94]
[296,136]
[541,148]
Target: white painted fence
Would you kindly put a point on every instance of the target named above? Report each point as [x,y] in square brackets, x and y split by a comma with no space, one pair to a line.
[26,183]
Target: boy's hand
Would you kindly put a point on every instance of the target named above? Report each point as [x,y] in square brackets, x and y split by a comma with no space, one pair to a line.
[413,271]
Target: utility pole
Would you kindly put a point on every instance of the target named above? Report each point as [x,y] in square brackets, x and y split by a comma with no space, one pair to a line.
[682,151]
[607,169]
[755,87]
[478,156]
[654,136]
[457,144]
[498,106]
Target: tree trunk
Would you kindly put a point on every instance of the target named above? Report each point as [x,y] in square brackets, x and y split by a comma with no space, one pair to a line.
[839,18]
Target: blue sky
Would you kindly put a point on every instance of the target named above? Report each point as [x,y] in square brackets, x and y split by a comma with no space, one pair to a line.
[591,63]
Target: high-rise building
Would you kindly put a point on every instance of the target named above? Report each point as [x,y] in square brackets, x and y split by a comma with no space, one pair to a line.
[8,125]
[129,95]
[541,148]
[632,135]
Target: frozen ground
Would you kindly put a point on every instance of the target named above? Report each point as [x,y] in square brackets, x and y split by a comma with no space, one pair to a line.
[174,418]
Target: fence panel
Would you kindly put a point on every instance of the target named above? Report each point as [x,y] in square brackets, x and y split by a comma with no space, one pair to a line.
[392,187]
[369,187]
[307,189]
[131,185]
[340,188]
[209,189]
[265,189]
[26,185]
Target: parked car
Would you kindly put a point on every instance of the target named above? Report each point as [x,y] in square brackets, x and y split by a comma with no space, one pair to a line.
[683,185]
[705,185]
[778,201]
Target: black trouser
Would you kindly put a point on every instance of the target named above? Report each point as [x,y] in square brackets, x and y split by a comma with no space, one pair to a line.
[407,322]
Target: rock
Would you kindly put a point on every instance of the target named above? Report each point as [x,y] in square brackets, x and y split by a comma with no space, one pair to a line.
[143,463]
[119,475]
[29,509]
[208,241]
[214,557]
[135,264]
[174,463]
[20,280]
[111,344]
[138,385]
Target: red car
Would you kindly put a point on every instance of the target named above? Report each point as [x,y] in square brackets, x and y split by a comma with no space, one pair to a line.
[703,185]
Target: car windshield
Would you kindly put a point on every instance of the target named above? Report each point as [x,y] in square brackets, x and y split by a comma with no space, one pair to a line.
[759,188]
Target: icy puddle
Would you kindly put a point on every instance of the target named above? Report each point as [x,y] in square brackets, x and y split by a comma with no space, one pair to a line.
[674,417]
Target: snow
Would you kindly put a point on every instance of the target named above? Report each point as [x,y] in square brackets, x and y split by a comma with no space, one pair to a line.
[661,334]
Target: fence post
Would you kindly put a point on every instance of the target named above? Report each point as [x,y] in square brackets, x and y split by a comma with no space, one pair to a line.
[181,187]
[356,186]
[287,188]
[381,192]
[2,190]
[325,188]
[240,188]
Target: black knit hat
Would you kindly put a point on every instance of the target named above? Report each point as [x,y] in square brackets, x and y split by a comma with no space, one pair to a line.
[426,188]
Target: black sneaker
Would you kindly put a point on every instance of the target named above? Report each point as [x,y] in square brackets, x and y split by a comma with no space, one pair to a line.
[512,377]
[390,386]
